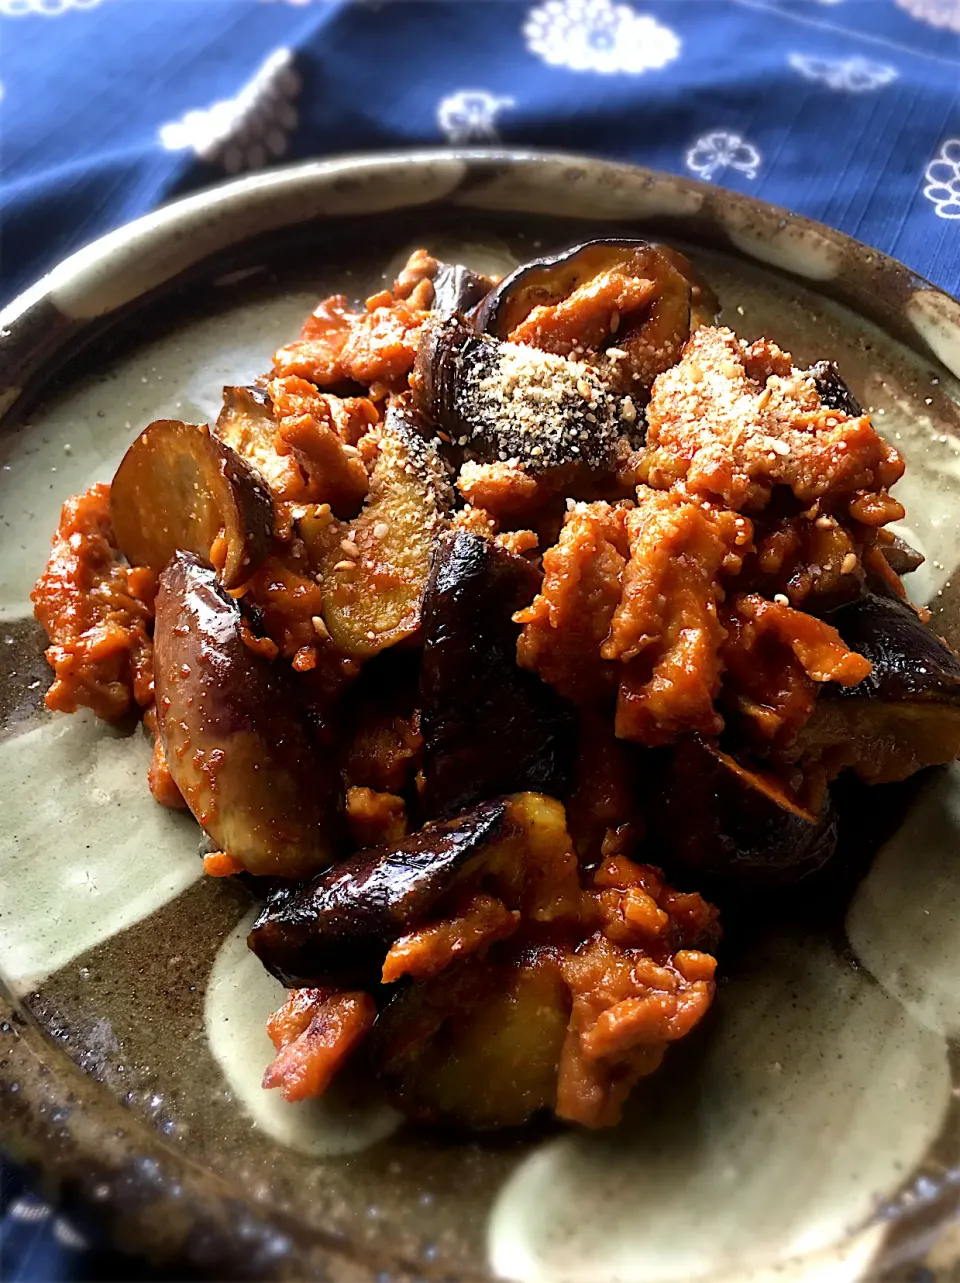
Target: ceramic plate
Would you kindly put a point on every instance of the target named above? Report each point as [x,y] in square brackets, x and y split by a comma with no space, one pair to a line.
[811,1131]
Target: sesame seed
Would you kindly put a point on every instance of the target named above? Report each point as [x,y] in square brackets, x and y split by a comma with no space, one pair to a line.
[319,627]
[781,599]
[345,565]
[849,564]
[381,530]
[349,547]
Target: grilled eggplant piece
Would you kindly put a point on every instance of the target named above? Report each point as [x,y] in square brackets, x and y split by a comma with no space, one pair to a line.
[902,558]
[488,726]
[906,714]
[833,389]
[736,826]
[650,289]
[477,1047]
[238,749]
[247,425]
[457,289]
[372,599]
[179,488]
[341,924]
[502,401]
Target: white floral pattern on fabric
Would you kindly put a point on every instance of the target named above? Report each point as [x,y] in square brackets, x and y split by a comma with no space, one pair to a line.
[943,180]
[855,75]
[470,115]
[247,131]
[29,1210]
[49,8]
[68,1236]
[936,13]
[598,35]
[720,150]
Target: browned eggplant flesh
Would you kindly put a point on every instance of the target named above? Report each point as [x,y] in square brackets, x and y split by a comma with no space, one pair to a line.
[180,489]
[372,599]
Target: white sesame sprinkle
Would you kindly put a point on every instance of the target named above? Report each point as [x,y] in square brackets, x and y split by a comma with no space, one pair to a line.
[781,599]
[381,530]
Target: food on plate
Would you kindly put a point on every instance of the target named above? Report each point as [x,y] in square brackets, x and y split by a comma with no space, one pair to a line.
[488,628]
[488,727]
[180,489]
[236,741]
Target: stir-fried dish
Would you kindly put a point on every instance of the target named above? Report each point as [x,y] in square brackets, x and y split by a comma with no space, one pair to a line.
[481,634]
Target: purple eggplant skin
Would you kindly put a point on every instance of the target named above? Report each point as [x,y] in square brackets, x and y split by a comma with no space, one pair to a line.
[733,827]
[488,726]
[458,289]
[901,557]
[538,278]
[338,927]
[236,740]
[910,662]
[543,419]
[834,390]
[650,338]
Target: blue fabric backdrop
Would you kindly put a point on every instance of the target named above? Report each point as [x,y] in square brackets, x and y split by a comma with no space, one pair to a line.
[845,110]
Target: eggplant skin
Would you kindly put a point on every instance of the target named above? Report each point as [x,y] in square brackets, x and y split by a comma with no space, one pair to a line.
[457,288]
[735,827]
[909,660]
[538,276]
[834,390]
[488,726]
[650,336]
[502,401]
[341,924]
[237,744]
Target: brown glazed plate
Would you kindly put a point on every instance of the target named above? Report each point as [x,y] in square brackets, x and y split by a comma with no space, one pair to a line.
[810,1132]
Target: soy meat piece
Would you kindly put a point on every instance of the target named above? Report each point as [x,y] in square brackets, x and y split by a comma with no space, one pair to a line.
[731,422]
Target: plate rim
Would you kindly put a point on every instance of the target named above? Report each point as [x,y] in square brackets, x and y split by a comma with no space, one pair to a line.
[37,327]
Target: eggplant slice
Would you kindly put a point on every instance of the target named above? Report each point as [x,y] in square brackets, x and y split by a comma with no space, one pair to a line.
[236,742]
[488,726]
[833,389]
[505,401]
[341,924]
[478,1046]
[372,600]
[736,826]
[180,488]
[457,288]
[649,333]
[905,715]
